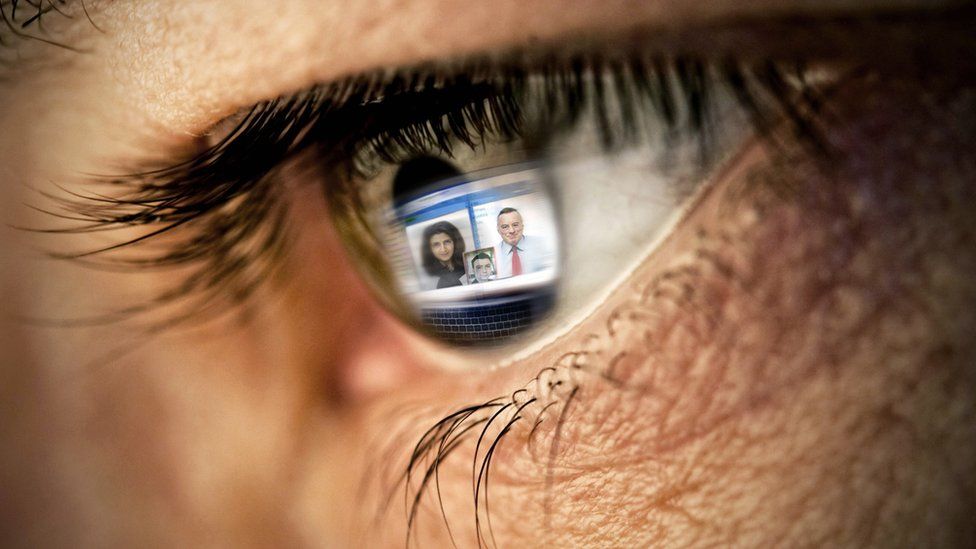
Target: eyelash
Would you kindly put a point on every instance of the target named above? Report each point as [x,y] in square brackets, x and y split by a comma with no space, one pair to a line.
[15,24]
[355,125]
[440,440]
[33,16]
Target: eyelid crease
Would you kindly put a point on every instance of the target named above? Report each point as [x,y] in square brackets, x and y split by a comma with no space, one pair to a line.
[219,88]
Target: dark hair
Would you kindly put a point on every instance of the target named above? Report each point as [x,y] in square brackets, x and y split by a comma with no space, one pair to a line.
[506,211]
[481,255]
[431,264]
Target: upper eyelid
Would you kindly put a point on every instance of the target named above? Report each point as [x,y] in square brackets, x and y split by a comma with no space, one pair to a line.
[193,106]
[783,38]
[939,32]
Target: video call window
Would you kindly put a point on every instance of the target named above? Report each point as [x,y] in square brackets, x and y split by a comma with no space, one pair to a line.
[499,224]
[476,255]
[480,265]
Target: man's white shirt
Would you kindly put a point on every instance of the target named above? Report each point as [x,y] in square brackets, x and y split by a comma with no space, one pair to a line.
[535,254]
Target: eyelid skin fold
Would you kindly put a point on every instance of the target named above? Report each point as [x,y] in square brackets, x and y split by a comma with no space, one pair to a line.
[190,98]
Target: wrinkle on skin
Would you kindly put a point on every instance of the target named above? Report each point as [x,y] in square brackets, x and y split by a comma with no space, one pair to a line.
[783,369]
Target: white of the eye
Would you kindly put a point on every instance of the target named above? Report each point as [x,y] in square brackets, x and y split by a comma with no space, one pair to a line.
[616,208]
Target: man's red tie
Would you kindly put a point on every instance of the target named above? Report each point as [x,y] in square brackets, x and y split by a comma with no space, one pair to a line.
[516,262]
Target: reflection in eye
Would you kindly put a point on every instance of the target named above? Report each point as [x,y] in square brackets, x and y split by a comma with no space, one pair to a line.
[461,258]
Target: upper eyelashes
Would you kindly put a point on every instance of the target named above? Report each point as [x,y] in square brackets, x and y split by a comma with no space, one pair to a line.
[353,126]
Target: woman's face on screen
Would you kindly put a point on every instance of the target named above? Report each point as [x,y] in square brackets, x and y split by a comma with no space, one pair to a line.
[442,246]
[192,355]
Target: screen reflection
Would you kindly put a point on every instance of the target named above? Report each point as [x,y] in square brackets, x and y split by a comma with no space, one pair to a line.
[476,255]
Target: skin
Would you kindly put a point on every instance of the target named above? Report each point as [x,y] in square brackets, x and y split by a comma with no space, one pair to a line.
[510,227]
[483,270]
[442,247]
[792,366]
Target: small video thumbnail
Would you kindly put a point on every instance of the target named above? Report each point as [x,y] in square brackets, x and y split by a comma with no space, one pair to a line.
[479,265]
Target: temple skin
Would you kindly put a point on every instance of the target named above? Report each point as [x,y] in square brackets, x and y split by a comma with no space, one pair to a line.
[793,366]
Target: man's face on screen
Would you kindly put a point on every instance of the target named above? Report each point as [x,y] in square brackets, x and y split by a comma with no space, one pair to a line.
[442,246]
[510,227]
[482,270]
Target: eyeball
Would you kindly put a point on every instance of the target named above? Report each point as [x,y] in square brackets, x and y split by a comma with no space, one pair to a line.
[488,241]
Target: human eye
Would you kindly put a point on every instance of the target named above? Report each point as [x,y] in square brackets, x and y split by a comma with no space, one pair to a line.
[786,359]
[527,136]
[525,140]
